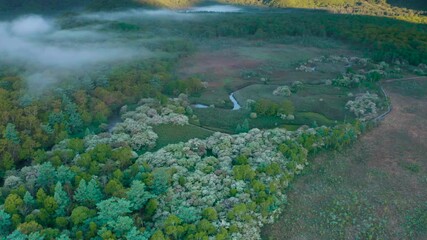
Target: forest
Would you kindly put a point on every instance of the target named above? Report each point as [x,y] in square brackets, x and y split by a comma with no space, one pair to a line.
[68,171]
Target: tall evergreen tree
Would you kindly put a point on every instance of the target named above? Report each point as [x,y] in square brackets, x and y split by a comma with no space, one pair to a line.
[5,223]
[138,195]
[11,134]
[88,194]
[62,199]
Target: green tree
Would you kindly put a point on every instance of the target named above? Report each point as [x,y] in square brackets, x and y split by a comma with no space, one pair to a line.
[63,237]
[88,194]
[188,214]
[151,207]
[173,226]
[238,128]
[65,175]
[101,153]
[121,226]
[138,195]
[77,145]
[11,134]
[287,107]
[50,205]
[13,203]
[75,122]
[62,199]
[40,196]
[35,236]
[206,226]
[114,188]
[158,235]
[47,175]
[123,156]
[161,181]
[17,235]
[243,172]
[5,223]
[210,214]
[29,227]
[80,214]
[112,208]
[135,234]
[29,199]
[245,126]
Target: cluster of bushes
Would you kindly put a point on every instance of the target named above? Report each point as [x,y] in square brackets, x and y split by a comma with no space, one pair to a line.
[364,106]
[191,86]
[270,108]
[136,129]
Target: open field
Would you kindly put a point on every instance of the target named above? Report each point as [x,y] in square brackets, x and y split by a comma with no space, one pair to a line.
[254,69]
[169,134]
[232,64]
[322,99]
[225,120]
[375,189]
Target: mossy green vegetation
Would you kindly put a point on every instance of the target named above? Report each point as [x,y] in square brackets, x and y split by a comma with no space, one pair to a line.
[174,134]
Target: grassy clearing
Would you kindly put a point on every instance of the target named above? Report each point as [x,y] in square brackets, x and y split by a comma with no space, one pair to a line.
[225,120]
[232,64]
[376,189]
[169,134]
[325,100]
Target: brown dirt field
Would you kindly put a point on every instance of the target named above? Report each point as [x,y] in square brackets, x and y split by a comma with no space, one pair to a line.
[216,65]
[385,170]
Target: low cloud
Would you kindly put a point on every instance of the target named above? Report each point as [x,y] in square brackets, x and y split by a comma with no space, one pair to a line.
[216,9]
[46,52]
[41,46]
[141,14]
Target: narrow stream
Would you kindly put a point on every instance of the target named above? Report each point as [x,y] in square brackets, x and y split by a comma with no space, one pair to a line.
[199,105]
[236,105]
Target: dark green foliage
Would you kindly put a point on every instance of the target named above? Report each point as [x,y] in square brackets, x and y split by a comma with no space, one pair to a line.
[5,223]
[88,194]
[62,199]
[65,175]
[47,175]
[210,214]
[243,172]
[386,39]
[241,160]
[11,134]
[161,181]
[244,127]
[189,86]
[109,210]
[138,195]
[80,214]
[188,214]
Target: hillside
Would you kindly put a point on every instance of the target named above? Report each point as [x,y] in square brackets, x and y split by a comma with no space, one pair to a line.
[411,4]
[371,7]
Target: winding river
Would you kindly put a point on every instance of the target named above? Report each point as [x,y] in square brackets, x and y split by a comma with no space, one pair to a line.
[236,105]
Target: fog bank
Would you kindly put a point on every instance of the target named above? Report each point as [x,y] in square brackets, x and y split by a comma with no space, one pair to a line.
[47,52]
